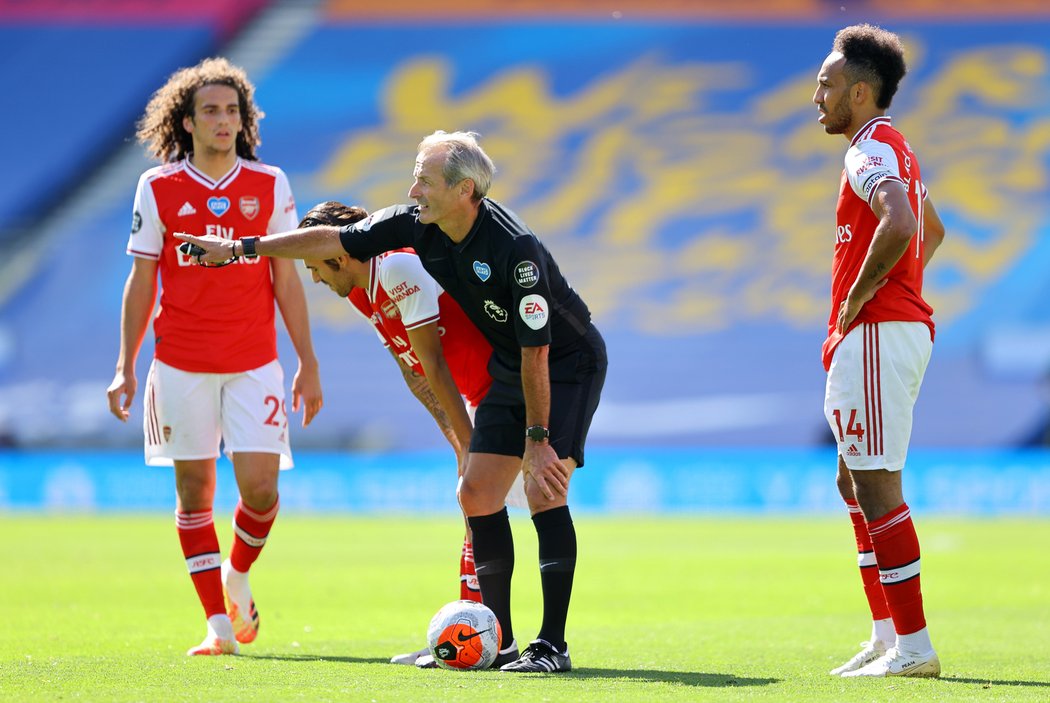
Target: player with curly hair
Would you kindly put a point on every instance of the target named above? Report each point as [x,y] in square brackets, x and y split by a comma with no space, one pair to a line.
[215,379]
[162,128]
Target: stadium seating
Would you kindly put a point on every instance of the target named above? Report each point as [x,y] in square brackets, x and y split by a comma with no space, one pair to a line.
[77,74]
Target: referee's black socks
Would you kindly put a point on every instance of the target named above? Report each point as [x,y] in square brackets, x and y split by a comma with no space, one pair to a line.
[556,536]
[494,564]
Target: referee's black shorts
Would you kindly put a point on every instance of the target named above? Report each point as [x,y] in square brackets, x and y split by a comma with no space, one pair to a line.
[576,387]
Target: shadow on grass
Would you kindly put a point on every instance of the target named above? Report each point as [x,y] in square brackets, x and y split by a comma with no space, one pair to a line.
[995,682]
[316,658]
[684,678]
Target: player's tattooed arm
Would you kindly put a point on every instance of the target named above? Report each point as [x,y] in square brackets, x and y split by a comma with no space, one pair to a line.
[420,387]
[892,238]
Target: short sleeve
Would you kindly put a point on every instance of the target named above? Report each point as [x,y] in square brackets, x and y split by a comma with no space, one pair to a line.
[147,231]
[284,217]
[530,291]
[869,163]
[410,288]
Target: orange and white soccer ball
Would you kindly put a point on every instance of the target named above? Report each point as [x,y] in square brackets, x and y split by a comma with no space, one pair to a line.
[464,635]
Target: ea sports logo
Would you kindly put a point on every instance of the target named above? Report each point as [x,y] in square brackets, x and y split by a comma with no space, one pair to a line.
[533,311]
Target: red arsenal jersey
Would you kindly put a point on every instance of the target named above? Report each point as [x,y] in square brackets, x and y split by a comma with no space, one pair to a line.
[212,320]
[878,152]
[402,296]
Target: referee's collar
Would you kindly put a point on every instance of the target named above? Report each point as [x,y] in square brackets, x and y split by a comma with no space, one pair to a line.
[483,213]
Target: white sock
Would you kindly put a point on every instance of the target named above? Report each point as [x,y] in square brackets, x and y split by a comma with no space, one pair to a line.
[220,626]
[883,631]
[237,588]
[917,643]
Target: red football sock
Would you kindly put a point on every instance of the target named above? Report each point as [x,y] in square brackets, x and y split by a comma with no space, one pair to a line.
[468,579]
[250,530]
[869,567]
[897,550]
[200,546]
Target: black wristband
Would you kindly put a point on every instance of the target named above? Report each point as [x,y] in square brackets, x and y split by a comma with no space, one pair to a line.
[248,247]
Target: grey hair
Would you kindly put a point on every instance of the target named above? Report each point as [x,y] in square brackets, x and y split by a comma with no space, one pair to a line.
[466,159]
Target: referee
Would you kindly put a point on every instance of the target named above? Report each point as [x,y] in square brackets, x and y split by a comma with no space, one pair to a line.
[548,364]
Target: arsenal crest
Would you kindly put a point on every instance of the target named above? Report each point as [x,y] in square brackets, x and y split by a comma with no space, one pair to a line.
[390,310]
[249,206]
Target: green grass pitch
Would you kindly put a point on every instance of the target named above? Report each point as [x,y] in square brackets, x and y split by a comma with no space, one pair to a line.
[665,609]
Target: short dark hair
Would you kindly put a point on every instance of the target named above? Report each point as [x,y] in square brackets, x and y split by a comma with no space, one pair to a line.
[874,56]
[335,214]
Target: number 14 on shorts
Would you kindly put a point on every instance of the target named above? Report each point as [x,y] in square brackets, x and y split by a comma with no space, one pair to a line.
[853,428]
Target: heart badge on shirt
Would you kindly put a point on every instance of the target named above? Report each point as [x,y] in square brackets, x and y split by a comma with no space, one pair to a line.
[483,271]
[219,206]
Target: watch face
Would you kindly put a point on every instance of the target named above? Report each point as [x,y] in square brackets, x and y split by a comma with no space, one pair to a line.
[537,433]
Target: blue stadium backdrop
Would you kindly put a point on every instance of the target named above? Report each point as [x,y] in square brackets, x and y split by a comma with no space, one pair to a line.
[672,162]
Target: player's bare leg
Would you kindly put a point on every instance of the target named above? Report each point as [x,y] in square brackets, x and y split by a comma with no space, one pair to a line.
[195,491]
[256,474]
[883,635]
[881,498]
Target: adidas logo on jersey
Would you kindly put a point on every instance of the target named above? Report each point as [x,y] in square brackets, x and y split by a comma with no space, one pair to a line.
[853,451]
[187,209]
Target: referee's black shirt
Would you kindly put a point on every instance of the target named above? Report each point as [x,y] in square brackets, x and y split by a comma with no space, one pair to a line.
[505,280]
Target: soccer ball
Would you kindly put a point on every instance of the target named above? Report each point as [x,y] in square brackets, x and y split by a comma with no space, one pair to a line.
[464,635]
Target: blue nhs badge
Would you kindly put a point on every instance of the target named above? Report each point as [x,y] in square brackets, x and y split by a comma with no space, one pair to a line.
[482,270]
[219,206]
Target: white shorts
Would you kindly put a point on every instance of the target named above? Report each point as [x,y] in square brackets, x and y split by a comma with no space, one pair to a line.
[187,414]
[872,386]
[516,495]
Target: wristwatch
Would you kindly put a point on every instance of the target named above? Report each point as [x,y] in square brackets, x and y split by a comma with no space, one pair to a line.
[248,247]
[537,433]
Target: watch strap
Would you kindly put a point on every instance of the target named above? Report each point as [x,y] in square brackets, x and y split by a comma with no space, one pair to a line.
[248,247]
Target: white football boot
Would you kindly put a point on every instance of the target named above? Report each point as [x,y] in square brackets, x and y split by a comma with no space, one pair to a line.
[409,658]
[239,604]
[869,652]
[897,663]
[218,641]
